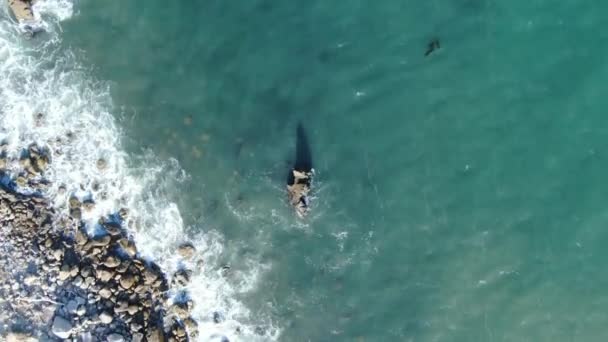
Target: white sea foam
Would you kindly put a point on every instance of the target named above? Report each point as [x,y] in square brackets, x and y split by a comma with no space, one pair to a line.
[82,135]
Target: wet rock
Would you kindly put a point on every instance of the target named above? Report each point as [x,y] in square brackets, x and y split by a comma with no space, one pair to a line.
[20,337]
[155,335]
[123,213]
[260,331]
[62,328]
[39,159]
[101,241]
[105,293]
[186,250]
[72,306]
[127,281]
[123,267]
[21,181]
[218,317]
[191,326]
[111,261]
[115,338]
[87,337]
[137,337]
[78,281]
[179,331]
[31,280]
[182,277]
[180,309]
[22,10]
[150,276]
[74,202]
[81,310]
[58,254]
[132,309]
[105,318]
[76,213]
[104,274]
[64,273]
[101,164]
[88,205]
[128,247]
[81,237]
[86,271]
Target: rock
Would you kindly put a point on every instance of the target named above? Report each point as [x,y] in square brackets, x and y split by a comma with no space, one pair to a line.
[74,202]
[62,328]
[155,335]
[122,268]
[111,261]
[123,213]
[58,254]
[133,309]
[72,306]
[101,163]
[86,271]
[20,337]
[217,317]
[115,338]
[74,271]
[76,213]
[89,281]
[122,307]
[128,247]
[31,280]
[21,181]
[64,273]
[39,162]
[179,331]
[87,337]
[105,318]
[113,229]
[104,274]
[150,276]
[101,241]
[81,237]
[127,281]
[181,310]
[141,288]
[182,277]
[105,293]
[22,10]
[78,281]
[186,250]
[88,205]
[137,337]
[81,310]
[191,325]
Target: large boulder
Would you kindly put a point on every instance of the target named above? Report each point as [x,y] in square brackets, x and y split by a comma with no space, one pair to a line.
[62,328]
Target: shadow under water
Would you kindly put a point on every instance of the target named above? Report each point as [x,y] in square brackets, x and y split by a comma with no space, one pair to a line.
[303,159]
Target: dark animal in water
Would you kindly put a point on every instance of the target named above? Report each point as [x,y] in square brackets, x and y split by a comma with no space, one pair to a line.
[433,45]
[299,180]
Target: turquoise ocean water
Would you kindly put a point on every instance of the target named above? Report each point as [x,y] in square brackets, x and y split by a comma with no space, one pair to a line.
[459,196]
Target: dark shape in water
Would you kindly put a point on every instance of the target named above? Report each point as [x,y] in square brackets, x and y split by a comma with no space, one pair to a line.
[219,338]
[432,46]
[217,317]
[299,180]
[303,161]
[260,330]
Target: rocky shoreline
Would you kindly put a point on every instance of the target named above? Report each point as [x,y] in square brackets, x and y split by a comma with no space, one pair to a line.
[61,279]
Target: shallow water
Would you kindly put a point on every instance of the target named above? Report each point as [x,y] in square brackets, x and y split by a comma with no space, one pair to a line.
[459,197]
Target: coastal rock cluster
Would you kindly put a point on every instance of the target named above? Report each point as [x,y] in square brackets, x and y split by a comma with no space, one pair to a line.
[61,279]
